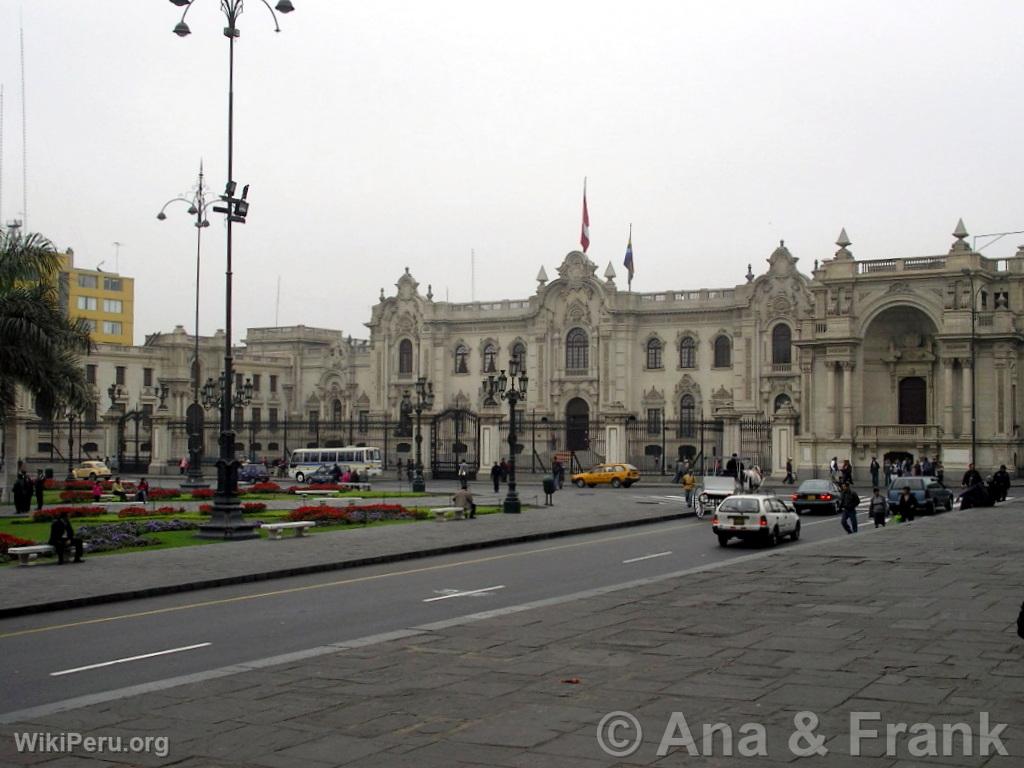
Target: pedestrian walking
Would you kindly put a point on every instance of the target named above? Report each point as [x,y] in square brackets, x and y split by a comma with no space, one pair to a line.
[22,493]
[463,473]
[877,508]
[680,469]
[848,502]
[875,467]
[689,483]
[559,474]
[906,505]
[496,476]
[41,486]
[183,465]
[1001,483]
[971,477]
[888,473]
[789,479]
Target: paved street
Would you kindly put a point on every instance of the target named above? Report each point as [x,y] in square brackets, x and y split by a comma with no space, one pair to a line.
[914,622]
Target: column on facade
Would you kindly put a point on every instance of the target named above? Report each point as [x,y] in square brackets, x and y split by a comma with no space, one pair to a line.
[947,395]
[965,400]
[830,397]
[807,394]
[847,367]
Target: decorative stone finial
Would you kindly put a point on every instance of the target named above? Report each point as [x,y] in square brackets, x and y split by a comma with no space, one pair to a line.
[382,294]
[609,273]
[750,272]
[430,292]
[961,235]
[542,277]
[843,241]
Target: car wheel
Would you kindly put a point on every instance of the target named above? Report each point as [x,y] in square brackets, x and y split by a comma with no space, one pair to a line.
[616,483]
[774,538]
[949,503]
[723,540]
[299,477]
[578,483]
[796,532]
[92,476]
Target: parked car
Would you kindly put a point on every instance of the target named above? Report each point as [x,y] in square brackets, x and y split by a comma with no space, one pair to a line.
[253,473]
[816,496]
[712,490]
[756,518]
[929,492]
[615,475]
[321,474]
[90,470]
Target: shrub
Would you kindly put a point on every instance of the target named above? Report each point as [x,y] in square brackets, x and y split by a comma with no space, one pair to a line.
[253,506]
[264,488]
[203,493]
[73,497]
[48,515]
[140,511]
[162,494]
[7,541]
[206,509]
[323,514]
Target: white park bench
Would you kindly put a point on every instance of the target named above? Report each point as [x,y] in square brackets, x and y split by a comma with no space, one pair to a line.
[316,492]
[25,554]
[277,528]
[441,513]
[355,486]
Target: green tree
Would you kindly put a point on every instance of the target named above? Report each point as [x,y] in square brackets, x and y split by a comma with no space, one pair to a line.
[40,347]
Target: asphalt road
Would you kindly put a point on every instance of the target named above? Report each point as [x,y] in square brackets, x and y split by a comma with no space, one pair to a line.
[52,657]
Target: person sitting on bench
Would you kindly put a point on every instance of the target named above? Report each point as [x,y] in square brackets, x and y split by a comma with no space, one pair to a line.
[118,490]
[62,535]
[464,498]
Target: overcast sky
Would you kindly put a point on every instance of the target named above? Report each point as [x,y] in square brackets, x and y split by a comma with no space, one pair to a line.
[382,135]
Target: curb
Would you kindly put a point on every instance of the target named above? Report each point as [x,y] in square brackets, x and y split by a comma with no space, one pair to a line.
[304,570]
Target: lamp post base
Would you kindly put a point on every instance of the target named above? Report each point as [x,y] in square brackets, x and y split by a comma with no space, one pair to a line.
[511,505]
[193,485]
[419,485]
[227,522]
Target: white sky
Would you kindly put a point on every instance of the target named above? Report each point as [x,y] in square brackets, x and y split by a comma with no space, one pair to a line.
[389,134]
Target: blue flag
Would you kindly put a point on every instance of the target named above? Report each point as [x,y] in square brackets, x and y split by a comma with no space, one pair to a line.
[628,262]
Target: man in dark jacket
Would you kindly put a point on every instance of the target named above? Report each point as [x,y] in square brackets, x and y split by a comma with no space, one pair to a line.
[1001,483]
[848,502]
[971,477]
[62,535]
[41,484]
[906,506]
[496,476]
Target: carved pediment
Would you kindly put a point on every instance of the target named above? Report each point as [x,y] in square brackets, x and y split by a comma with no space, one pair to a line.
[653,397]
[576,268]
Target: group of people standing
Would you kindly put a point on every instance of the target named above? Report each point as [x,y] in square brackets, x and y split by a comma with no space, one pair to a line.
[26,488]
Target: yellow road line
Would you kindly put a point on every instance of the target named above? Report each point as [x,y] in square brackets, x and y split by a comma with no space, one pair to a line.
[339,583]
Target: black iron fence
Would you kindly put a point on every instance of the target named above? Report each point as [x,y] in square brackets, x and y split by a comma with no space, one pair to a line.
[756,442]
[656,446]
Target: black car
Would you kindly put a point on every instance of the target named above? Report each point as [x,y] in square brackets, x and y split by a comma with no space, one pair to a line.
[931,495]
[253,473]
[816,496]
[320,476]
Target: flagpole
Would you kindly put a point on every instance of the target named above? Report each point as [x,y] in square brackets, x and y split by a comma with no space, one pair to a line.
[629,279]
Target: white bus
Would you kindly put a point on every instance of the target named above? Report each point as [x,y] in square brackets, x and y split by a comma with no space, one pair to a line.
[366,460]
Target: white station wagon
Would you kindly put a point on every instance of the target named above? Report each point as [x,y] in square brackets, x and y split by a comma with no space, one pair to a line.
[761,518]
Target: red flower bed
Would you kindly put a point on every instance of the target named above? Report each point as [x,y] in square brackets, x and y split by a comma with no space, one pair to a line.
[53,485]
[323,513]
[203,493]
[156,494]
[264,488]
[315,487]
[47,515]
[7,541]
[206,509]
[73,497]
[140,511]
[253,506]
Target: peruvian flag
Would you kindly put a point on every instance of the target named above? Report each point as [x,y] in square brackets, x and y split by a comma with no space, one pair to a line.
[585,229]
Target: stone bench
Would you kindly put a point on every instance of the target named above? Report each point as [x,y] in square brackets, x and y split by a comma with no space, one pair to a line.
[319,492]
[26,553]
[355,486]
[441,513]
[276,529]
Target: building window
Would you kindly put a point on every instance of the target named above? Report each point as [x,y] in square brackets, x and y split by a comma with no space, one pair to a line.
[782,345]
[490,356]
[654,353]
[147,377]
[273,382]
[119,375]
[147,411]
[87,303]
[336,410]
[87,281]
[256,382]
[112,284]
[688,353]
[272,417]
[405,356]
[576,350]
[91,414]
[723,352]
[88,324]
[239,417]
[90,374]
[462,359]
[256,417]
[314,420]
[654,421]
[519,355]
[364,422]
[687,416]
[238,382]
[112,327]
[113,306]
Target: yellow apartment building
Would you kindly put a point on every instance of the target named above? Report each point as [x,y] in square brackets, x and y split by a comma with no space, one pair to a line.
[106,300]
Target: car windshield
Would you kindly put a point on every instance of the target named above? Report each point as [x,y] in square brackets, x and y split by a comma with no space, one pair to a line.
[913,483]
[739,505]
[815,486]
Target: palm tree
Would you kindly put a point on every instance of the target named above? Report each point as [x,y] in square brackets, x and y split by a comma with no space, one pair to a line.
[40,347]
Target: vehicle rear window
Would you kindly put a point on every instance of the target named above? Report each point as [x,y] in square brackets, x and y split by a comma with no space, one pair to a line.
[913,483]
[814,486]
[739,505]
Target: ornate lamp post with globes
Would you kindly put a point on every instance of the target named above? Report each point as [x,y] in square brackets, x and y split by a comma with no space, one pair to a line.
[513,389]
[227,521]
[424,401]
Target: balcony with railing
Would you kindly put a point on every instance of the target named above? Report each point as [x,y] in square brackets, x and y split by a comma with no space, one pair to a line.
[901,434]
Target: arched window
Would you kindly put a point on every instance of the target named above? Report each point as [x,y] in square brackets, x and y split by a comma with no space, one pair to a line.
[405,356]
[723,352]
[687,416]
[490,355]
[336,410]
[654,353]
[782,401]
[687,353]
[519,354]
[462,359]
[576,349]
[782,345]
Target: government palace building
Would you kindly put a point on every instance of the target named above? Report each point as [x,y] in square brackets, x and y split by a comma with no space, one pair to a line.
[857,359]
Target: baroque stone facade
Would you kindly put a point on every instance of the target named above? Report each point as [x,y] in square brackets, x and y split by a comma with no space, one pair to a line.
[857,359]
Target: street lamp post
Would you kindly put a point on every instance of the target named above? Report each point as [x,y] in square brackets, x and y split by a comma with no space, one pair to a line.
[197,206]
[226,520]
[424,401]
[71,444]
[513,389]
[974,410]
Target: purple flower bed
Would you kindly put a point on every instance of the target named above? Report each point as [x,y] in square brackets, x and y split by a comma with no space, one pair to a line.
[110,536]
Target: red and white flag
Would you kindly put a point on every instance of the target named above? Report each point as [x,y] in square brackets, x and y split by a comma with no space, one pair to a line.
[585,229]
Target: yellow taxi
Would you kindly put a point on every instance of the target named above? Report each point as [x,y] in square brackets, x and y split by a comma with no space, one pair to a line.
[90,470]
[615,475]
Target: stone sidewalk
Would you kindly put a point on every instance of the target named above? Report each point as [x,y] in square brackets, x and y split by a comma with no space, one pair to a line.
[47,586]
[913,622]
